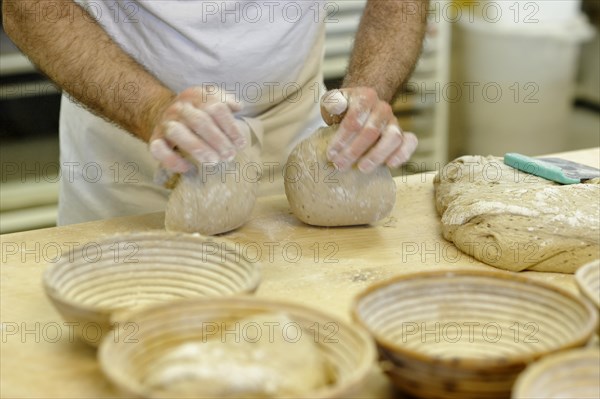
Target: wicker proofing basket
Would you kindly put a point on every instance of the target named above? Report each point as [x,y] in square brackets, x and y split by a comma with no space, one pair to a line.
[570,374]
[135,270]
[348,350]
[588,281]
[468,334]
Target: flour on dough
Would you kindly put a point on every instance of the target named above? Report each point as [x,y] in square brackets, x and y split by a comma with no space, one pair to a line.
[213,198]
[269,361]
[517,221]
[320,195]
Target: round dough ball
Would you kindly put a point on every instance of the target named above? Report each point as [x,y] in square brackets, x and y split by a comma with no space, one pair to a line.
[320,195]
[213,198]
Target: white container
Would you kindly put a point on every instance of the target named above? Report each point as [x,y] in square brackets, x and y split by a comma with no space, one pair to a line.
[589,75]
[517,86]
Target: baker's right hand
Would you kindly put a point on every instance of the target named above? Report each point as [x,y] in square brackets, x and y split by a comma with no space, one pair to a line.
[200,124]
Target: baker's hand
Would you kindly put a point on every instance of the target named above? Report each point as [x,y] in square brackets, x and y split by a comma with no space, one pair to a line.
[200,124]
[369,134]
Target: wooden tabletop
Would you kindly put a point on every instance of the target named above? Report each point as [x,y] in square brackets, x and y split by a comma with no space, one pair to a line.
[319,267]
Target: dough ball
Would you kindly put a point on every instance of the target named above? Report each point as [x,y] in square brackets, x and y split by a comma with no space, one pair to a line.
[213,198]
[268,364]
[320,195]
[517,221]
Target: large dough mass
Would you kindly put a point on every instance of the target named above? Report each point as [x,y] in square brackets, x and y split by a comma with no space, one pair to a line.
[516,221]
[320,195]
[214,198]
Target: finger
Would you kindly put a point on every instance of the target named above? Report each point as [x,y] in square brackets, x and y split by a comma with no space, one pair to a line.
[358,113]
[390,141]
[167,157]
[333,106]
[205,130]
[233,104]
[222,116]
[366,138]
[334,102]
[189,142]
[403,154]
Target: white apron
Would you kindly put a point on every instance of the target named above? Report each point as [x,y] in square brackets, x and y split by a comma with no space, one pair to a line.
[266,53]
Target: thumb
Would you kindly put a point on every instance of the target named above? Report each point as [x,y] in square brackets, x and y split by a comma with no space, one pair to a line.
[333,106]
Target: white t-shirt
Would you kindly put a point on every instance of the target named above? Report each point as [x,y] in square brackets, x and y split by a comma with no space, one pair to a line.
[266,53]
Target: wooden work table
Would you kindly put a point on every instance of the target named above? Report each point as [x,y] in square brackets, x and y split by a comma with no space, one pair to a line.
[319,267]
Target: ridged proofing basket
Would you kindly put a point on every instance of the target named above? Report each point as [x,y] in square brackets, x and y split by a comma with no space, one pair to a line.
[348,350]
[570,374]
[587,278]
[467,333]
[94,288]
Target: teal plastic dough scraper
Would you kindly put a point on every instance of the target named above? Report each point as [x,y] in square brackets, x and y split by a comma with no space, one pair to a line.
[555,169]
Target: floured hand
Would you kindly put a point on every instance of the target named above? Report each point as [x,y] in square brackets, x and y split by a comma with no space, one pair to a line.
[369,134]
[200,123]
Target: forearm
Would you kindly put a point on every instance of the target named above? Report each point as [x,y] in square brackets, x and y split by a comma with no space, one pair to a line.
[76,53]
[387,46]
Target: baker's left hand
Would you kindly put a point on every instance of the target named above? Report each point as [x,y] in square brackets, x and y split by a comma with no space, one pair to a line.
[369,134]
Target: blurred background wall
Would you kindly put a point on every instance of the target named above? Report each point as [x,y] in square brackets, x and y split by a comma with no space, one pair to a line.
[529,74]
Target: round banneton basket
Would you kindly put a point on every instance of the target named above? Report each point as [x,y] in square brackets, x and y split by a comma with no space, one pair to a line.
[570,374]
[468,334]
[347,351]
[588,281]
[92,288]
